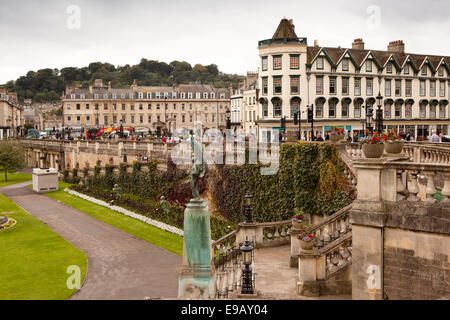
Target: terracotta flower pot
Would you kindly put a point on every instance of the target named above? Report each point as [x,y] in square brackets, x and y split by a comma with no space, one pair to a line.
[373,150]
[307,245]
[336,137]
[394,147]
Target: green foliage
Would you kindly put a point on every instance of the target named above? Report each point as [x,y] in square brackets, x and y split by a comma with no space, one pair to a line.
[12,156]
[309,179]
[47,85]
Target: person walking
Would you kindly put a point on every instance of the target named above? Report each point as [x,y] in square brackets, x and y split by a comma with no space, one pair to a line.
[434,137]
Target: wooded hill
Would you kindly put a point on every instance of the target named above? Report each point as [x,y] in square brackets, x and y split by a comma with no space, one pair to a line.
[47,85]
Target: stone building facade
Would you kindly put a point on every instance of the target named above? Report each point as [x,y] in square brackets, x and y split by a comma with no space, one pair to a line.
[244,103]
[159,109]
[11,115]
[342,82]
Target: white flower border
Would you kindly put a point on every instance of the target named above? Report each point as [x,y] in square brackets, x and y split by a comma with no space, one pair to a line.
[131,214]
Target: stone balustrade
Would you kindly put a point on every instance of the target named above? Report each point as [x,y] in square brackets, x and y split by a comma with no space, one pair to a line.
[417,152]
[331,253]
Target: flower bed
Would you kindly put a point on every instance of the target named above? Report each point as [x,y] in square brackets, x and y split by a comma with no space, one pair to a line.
[149,211]
[9,224]
[128,213]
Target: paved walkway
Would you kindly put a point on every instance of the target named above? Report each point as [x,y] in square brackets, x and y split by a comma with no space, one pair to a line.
[275,280]
[120,266]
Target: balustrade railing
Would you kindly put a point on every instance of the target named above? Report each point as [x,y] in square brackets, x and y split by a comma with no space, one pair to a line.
[422,182]
[338,257]
[332,228]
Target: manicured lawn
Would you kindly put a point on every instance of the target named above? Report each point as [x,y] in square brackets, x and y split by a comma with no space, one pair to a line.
[34,259]
[158,237]
[13,178]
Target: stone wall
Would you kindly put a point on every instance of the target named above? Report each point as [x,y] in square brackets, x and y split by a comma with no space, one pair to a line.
[410,244]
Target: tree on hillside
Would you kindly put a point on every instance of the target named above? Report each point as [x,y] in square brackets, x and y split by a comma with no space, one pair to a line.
[12,156]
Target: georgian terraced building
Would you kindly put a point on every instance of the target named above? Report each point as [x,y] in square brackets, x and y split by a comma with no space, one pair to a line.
[342,82]
[156,108]
[11,115]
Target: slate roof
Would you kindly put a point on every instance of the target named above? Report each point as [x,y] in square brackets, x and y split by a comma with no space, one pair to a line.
[285,31]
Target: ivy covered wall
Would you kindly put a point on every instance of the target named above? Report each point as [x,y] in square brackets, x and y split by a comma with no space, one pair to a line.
[310,178]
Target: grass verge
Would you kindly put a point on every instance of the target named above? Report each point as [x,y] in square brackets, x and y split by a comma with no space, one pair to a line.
[34,259]
[158,237]
[13,178]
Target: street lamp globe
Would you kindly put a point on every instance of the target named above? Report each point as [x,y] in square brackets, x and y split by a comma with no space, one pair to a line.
[247,250]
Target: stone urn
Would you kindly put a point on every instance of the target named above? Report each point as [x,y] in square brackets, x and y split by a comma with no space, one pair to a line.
[335,138]
[307,245]
[297,225]
[373,150]
[394,147]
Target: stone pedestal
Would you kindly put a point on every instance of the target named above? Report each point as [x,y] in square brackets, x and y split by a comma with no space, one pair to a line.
[307,284]
[196,279]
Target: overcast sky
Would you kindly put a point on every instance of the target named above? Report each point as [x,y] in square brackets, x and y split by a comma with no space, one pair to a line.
[36,34]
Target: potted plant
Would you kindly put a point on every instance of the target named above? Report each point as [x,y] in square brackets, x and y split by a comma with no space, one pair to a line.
[297,221]
[336,134]
[372,146]
[393,142]
[306,238]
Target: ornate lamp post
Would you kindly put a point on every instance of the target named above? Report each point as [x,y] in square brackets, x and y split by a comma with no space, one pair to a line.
[228,126]
[121,129]
[369,119]
[248,207]
[379,116]
[247,257]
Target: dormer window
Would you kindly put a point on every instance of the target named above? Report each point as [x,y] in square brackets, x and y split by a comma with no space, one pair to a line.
[441,71]
[122,96]
[131,96]
[183,95]
[83,96]
[114,96]
[205,95]
[389,67]
[222,96]
[149,95]
[174,95]
[345,65]
[368,66]
[72,96]
[406,69]
[96,96]
[141,95]
[424,70]
[319,63]
[213,95]
[166,94]
[157,95]
[197,95]
[105,96]
[189,95]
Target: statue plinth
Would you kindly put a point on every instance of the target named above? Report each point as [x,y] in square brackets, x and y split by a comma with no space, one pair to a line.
[196,279]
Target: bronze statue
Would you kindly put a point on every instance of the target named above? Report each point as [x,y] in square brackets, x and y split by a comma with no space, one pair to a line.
[198,170]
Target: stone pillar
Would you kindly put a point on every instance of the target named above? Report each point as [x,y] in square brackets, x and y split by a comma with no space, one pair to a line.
[196,280]
[307,284]
[368,221]
[251,231]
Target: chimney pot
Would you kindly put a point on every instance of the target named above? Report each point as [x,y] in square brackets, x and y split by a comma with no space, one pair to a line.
[316,43]
[396,46]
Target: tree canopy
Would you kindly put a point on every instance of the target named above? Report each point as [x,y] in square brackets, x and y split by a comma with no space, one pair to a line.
[12,156]
[47,85]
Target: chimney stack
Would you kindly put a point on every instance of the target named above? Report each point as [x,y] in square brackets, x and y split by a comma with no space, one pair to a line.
[358,44]
[316,43]
[396,46]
